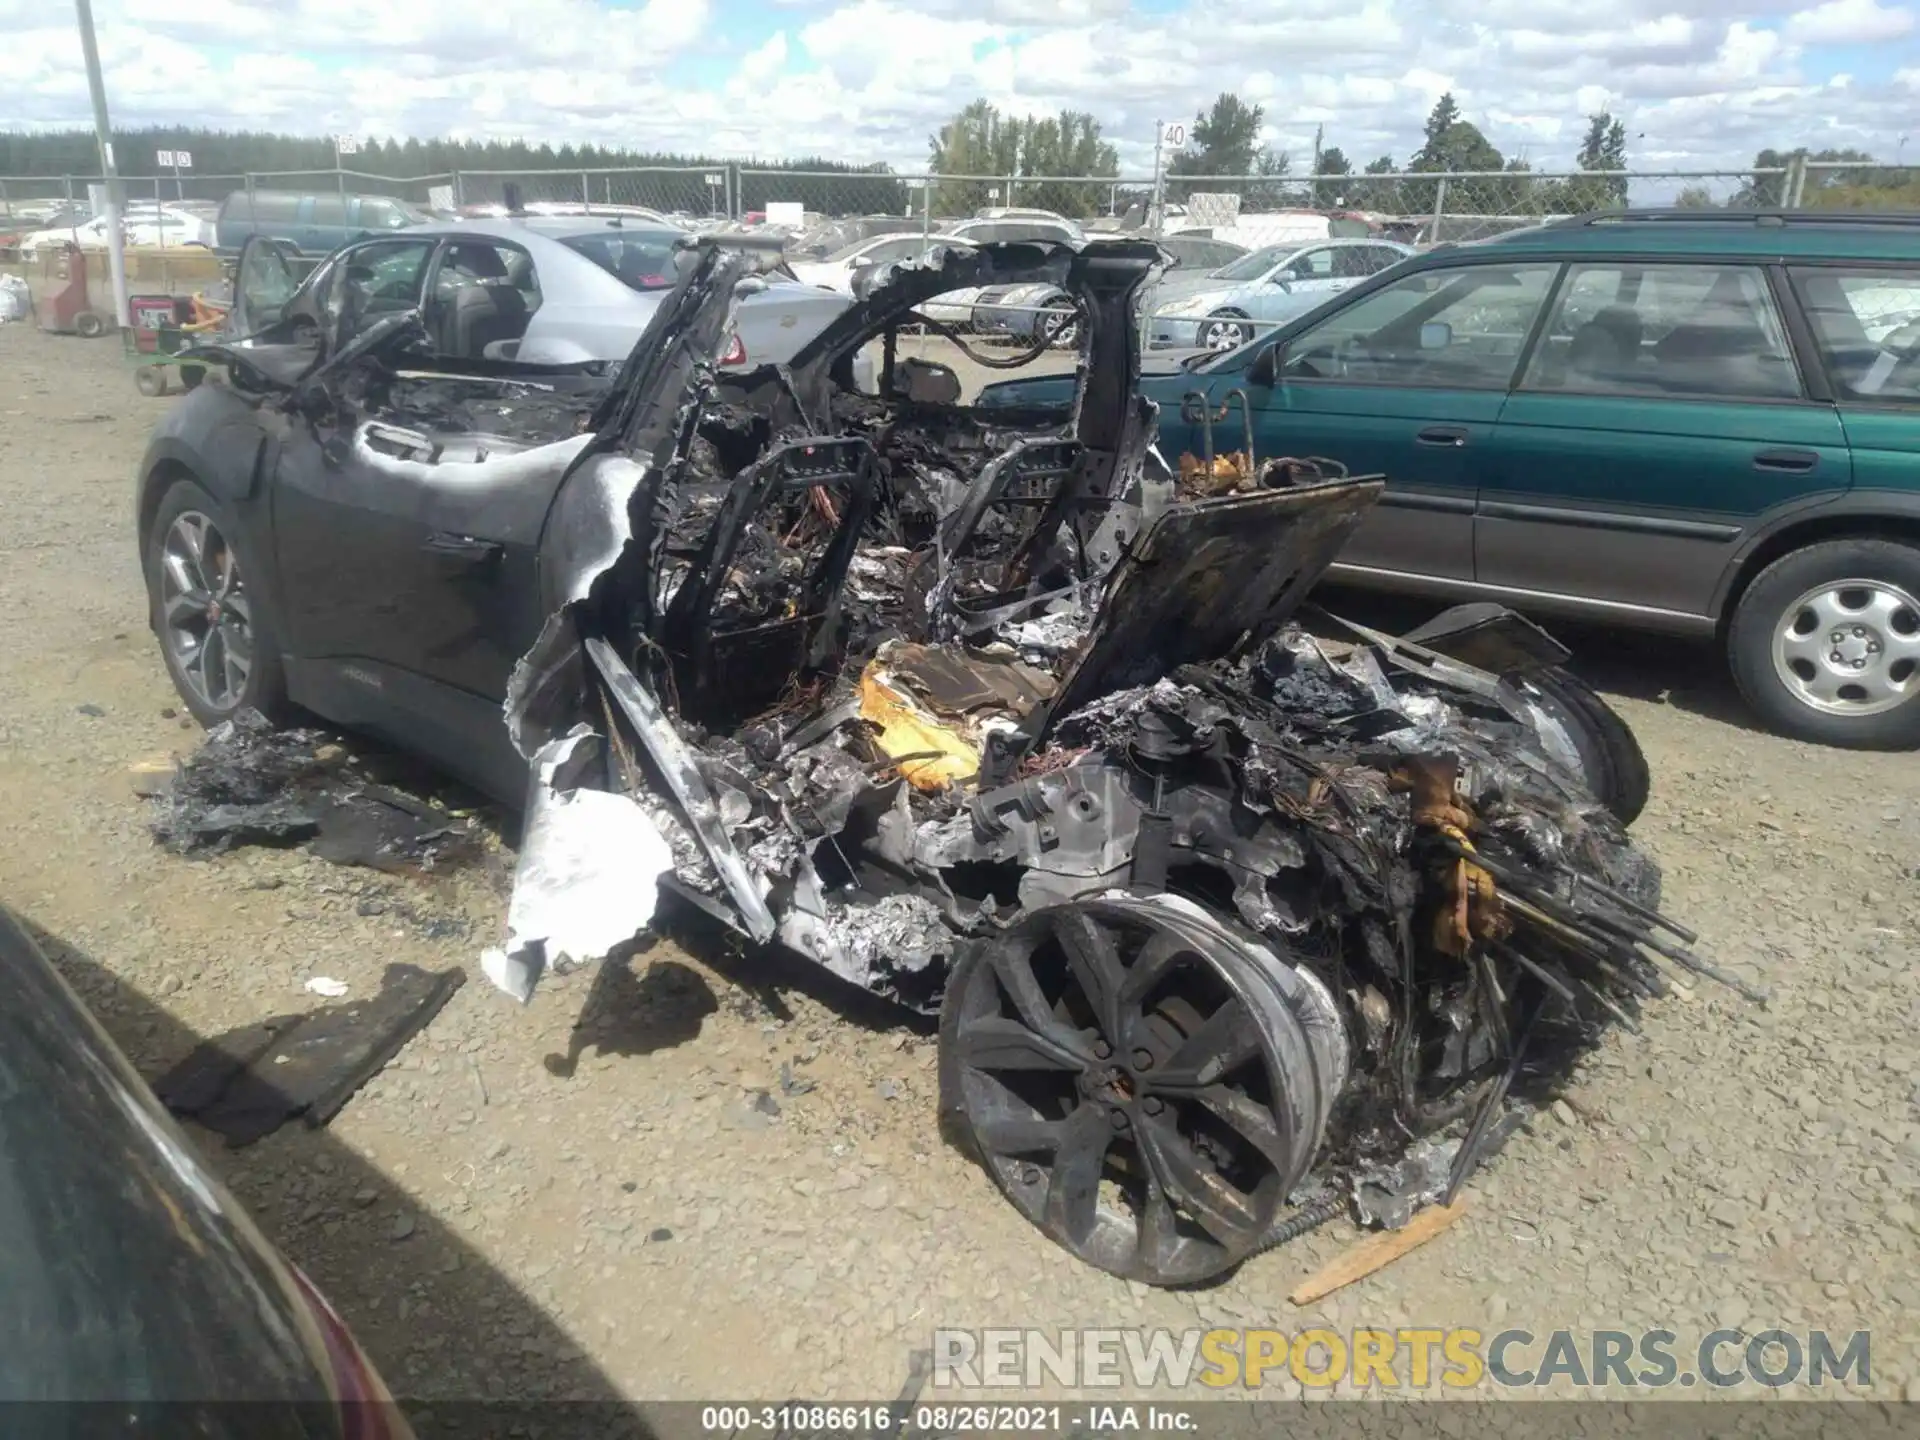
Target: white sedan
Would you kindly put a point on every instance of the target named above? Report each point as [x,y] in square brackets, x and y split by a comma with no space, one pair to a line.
[142,225]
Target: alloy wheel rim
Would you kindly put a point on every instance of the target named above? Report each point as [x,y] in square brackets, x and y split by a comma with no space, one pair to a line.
[1126,1084]
[1223,335]
[205,613]
[1850,647]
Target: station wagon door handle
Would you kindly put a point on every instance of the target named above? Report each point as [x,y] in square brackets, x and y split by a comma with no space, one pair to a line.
[463,547]
[1793,461]
[1451,436]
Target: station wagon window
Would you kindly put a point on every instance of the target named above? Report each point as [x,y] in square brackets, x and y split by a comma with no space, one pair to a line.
[328,210]
[1688,332]
[1867,325]
[1461,328]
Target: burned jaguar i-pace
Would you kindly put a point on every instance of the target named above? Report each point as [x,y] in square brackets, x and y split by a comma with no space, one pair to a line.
[1222,902]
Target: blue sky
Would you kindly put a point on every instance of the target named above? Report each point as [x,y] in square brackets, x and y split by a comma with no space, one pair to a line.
[1704,85]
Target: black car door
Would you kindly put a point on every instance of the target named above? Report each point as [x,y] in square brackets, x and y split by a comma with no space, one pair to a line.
[406,549]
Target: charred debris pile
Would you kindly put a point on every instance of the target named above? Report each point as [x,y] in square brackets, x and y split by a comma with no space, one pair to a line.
[983,711]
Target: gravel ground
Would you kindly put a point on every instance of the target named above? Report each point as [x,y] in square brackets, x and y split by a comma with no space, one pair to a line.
[586,1196]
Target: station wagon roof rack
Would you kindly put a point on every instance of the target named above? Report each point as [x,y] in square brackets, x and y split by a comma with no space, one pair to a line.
[1757,218]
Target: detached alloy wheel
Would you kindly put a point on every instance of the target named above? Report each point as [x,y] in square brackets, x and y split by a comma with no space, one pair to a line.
[1142,1085]
[1225,332]
[1825,644]
[220,647]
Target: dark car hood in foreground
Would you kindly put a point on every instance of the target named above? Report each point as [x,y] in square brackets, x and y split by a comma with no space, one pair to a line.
[128,1272]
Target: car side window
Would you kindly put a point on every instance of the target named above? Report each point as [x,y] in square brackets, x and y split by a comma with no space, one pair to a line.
[1866,323]
[1462,328]
[891,251]
[1310,265]
[328,210]
[378,214]
[1691,332]
[390,274]
[484,292]
[1355,262]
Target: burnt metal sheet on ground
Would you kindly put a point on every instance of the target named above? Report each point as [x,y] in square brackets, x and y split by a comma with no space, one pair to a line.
[247,1083]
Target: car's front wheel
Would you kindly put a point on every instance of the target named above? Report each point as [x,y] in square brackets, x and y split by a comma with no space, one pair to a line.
[209,609]
[1060,324]
[1224,332]
[1825,644]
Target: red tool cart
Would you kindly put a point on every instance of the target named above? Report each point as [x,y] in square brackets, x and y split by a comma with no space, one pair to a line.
[60,300]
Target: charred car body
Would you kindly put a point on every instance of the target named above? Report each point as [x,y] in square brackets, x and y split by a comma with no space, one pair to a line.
[980,713]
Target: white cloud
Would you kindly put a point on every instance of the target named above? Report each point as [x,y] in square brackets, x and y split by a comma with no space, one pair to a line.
[1849,22]
[1702,84]
[765,62]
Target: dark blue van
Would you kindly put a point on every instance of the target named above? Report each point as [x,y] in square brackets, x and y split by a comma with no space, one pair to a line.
[316,223]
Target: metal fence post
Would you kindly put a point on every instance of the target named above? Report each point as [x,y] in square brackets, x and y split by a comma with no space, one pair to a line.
[1793,184]
[1439,206]
[159,215]
[586,191]
[6,205]
[457,201]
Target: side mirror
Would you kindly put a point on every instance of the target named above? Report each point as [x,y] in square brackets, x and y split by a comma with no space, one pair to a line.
[1436,335]
[1267,365]
[1284,282]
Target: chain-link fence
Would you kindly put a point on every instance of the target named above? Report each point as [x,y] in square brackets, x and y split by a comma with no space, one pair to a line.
[1247,250]
[680,193]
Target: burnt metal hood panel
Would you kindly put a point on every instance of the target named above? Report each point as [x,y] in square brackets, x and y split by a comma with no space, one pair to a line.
[1206,582]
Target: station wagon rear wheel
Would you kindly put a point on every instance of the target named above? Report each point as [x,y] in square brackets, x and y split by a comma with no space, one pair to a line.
[1825,644]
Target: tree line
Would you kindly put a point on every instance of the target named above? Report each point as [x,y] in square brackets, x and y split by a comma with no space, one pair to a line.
[843,187]
[1224,150]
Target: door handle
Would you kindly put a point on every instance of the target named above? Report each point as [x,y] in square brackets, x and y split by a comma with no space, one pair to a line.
[463,547]
[1452,436]
[1794,461]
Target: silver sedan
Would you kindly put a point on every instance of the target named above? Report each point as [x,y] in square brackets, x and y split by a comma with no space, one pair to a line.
[1225,309]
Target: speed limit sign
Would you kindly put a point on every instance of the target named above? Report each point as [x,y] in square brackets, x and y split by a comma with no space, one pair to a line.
[1173,135]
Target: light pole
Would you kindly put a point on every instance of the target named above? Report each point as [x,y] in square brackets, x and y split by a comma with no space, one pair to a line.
[109,177]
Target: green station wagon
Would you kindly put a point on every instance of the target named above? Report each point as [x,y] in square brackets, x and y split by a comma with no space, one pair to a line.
[1702,423]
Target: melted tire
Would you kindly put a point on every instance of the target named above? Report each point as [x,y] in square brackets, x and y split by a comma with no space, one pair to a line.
[1616,768]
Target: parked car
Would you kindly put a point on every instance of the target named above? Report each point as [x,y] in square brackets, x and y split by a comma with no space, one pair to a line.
[1700,422]
[1226,308]
[1026,312]
[1032,225]
[828,237]
[563,290]
[139,225]
[837,271]
[314,222]
[133,1280]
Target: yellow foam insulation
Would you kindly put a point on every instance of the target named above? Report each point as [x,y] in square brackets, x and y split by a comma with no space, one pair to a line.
[945,755]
